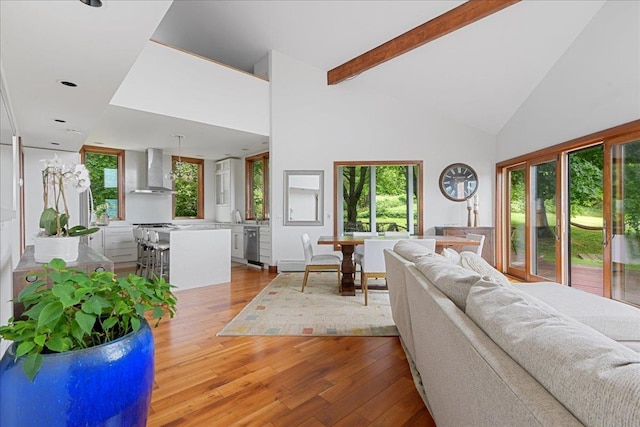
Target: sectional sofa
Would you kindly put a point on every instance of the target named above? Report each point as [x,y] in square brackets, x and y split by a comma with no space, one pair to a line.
[488,352]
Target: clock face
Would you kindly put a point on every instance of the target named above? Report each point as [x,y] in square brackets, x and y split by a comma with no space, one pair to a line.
[458,182]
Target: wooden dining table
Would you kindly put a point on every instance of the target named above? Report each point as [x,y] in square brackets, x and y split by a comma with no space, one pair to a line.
[348,243]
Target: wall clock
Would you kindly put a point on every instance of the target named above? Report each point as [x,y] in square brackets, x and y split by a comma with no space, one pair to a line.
[458,182]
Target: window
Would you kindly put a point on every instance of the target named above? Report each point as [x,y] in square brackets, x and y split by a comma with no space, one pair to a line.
[567,214]
[257,185]
[106,171]
[189,200]
[378,196]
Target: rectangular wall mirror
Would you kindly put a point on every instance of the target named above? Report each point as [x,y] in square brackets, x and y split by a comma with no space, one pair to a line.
[303,197]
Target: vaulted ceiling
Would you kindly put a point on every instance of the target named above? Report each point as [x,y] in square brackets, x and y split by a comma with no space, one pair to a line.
[478,75]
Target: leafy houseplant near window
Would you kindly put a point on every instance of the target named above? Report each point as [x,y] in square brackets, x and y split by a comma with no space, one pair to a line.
[54,220]
[82,351]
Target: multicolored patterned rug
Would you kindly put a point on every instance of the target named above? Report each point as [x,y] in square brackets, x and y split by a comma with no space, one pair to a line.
[281,309]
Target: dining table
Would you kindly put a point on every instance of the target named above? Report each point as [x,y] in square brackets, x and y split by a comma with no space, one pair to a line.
[348,243]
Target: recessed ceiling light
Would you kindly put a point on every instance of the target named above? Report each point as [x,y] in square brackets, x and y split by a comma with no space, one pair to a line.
[265,142]
[67,83]
[59,120]
[98,143]
[245,149]
[227,154]
[76,131]
[54,143]
[92,3]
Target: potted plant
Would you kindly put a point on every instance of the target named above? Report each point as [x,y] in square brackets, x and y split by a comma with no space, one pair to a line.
[82,352]
[54,220]
[101,214]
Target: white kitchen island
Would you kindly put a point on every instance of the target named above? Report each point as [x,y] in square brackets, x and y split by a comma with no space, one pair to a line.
[199,256]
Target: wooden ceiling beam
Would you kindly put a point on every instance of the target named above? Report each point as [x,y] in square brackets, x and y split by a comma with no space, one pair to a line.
[439,26]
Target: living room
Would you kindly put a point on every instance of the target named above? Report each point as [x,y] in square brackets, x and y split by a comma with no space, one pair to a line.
[590,84]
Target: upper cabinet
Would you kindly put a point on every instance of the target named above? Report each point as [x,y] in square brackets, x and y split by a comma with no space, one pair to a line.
[229,189]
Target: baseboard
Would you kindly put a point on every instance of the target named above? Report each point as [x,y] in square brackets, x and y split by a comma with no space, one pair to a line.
[291,265]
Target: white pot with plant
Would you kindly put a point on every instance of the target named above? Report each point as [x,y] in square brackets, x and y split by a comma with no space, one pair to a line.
[102,214]
[56,239]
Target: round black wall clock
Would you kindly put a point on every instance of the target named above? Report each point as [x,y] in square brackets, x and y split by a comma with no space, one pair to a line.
[458,182]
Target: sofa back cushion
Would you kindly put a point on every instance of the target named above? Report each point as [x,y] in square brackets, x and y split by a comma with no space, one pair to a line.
[594,377]
[474,262]
[452,280]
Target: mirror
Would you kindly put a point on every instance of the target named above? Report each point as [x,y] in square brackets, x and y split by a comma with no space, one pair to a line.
[303,197]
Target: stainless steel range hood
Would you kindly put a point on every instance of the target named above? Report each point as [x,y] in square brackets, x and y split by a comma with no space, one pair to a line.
[154,174]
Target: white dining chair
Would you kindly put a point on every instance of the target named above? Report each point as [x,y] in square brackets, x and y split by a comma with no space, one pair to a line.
[395,233]
[320,262]
[357,251]
[475,249]
[372,263]
[427,243]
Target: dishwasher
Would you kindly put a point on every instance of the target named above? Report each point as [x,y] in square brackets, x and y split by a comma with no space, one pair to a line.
[252,245]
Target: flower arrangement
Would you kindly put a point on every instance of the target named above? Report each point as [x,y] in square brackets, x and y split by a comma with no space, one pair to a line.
[55,216]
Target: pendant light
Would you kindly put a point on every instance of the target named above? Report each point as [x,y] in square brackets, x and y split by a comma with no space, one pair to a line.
[181,170]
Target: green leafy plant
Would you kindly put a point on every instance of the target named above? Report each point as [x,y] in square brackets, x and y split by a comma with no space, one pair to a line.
[55,215]
[80,311]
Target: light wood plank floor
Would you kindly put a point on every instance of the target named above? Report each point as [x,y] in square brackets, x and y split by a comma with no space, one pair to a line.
[205,380]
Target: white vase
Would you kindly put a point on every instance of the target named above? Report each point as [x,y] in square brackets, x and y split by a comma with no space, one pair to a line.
[47,248]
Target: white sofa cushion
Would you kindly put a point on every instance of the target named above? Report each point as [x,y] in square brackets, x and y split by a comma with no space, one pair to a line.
[596,378]
[451,255]
[413,251]
[614,319]
[452,280]
[475,262]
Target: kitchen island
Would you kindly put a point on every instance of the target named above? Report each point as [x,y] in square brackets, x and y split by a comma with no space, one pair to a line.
[200,255]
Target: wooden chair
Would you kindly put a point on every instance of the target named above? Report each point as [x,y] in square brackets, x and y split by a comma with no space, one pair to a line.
[322,262]
[372,263]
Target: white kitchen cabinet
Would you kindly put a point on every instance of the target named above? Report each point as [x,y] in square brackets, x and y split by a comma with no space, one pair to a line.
[265,245]
[229,188]
[119,244]
[96,241]
[237,241]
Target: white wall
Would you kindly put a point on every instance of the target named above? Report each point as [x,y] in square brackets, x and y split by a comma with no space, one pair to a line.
[594,86]
[33,203]
[176,84]
[313,125]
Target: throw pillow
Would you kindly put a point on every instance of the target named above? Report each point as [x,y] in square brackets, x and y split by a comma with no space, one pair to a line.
[475,262]
[451,255]
[593,376]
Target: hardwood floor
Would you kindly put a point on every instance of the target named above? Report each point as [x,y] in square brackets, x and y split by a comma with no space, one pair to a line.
[205,380]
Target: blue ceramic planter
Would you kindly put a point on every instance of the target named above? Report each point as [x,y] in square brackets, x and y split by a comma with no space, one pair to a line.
[107,385]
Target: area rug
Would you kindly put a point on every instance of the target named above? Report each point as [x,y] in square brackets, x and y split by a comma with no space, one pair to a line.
[281,309]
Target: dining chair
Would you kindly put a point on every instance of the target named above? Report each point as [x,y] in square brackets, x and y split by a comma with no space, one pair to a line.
[320,262]
[396,233]
[372,263]
[476,249]
[427,243]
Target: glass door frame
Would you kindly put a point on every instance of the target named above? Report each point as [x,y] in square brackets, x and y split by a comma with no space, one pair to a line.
[559,227]
[608,212]
[621,134]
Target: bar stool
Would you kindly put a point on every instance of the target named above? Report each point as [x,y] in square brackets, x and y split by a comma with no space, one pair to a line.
[160,258]
[143,251]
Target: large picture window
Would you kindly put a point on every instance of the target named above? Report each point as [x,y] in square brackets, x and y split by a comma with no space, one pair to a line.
[106,171]
[378,196]
[188,202]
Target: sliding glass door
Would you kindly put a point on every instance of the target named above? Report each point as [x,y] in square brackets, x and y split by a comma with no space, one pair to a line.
[585,210]
[625,221]
[515,215]
[545,220]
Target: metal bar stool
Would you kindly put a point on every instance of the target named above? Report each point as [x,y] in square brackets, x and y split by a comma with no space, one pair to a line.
[143,251]
[160,258]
